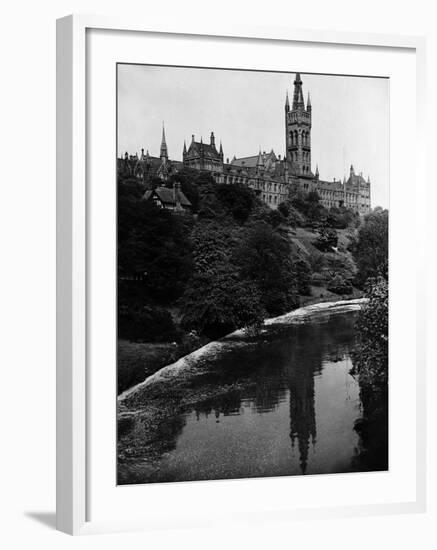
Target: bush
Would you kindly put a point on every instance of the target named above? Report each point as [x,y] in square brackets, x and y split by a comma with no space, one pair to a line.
[317,261]
[339,285]
[284,209]
[275,218]
[303,273]
[327,239]
[371,355]
[189,343]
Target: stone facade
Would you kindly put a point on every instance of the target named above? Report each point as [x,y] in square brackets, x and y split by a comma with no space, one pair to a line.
[271,177]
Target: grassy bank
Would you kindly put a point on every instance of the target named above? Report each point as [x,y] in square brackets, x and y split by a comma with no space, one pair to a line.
[137,360]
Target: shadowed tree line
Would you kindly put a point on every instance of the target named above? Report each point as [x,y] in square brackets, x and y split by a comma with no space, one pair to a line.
[229,266]
[370,357]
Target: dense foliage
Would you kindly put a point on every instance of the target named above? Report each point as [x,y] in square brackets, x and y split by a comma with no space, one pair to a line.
[264,258]
[370,249]
[153,245]
[370,364]
[229,266]
[371,357]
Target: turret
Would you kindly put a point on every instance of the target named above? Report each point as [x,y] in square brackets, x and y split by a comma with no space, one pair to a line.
[352,171]
[221,150]
[212,140]
[309,107]
[287,102]
[317,171]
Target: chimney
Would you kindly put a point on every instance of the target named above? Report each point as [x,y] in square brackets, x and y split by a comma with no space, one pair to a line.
[177,195]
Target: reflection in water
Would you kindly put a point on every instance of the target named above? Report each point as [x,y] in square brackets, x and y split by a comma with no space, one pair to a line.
[284,406]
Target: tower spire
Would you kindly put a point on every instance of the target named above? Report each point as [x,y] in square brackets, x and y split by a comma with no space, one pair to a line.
[259,162]
[309,107]
[164,152]
[298,102]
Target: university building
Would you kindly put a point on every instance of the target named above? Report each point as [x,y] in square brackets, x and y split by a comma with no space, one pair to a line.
[271,176]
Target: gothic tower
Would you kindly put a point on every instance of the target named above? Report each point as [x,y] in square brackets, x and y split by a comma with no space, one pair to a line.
[298,131]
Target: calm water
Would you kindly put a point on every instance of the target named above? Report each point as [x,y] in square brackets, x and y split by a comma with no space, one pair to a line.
[290,410]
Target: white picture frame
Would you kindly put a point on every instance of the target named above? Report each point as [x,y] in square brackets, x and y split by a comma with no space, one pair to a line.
[73,439]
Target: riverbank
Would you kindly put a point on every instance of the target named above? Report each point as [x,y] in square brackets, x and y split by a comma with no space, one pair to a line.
[217,379]
[191,364]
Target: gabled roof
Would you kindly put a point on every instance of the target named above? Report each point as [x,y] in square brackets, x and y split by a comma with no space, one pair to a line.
[203,149]
[167,196]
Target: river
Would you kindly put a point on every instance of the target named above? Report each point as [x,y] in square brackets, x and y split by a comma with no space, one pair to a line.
[284,403]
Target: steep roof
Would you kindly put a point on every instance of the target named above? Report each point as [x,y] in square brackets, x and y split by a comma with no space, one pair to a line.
[251,162]
[356,179]
[167,196]
[206,150]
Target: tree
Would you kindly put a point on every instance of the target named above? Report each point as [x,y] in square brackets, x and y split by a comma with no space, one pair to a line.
[339,285]
[218,302]
[217,299]
[265,258]
[304,276]
[153,247]
[308,204]
[370,249]
[341,217]
[237,199]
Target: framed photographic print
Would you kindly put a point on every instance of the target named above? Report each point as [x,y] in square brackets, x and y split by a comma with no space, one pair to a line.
[234,337]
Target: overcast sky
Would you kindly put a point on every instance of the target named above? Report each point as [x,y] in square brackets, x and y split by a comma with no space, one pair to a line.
[245,109]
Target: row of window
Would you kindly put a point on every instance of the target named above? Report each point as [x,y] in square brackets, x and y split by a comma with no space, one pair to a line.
[258,184]
[305,156]
[270,199]
[305,138]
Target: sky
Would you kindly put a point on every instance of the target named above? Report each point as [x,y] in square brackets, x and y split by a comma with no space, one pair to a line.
[245,110]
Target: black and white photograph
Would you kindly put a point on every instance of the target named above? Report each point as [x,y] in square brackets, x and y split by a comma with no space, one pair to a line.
[252,273]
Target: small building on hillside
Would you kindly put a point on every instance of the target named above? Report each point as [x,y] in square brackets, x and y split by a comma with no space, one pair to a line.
[170,199]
